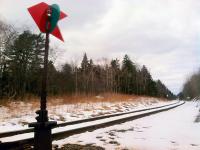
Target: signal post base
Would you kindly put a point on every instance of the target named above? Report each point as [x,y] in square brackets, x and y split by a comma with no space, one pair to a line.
[42,134]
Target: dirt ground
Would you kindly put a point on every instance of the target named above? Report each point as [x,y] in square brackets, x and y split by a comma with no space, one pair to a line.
[79,147]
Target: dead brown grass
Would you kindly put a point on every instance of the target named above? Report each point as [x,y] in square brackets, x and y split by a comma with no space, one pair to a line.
[105,97]
[28,105]
[73,99]
[27,99]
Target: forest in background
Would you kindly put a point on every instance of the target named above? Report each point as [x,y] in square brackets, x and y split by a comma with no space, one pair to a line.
[21,63]
[191,88]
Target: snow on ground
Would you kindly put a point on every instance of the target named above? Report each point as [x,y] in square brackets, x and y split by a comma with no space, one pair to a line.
[17,115]
[175,129]
[85,124]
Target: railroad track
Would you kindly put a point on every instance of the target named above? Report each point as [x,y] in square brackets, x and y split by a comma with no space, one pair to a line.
[21,138]
[11,133]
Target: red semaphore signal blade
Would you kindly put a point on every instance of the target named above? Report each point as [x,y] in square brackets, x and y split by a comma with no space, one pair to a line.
[38,13]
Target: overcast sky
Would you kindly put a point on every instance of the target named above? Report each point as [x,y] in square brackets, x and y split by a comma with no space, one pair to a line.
[164,35]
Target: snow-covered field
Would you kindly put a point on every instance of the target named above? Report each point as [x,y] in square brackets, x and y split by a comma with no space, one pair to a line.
[176,129]
[17,115]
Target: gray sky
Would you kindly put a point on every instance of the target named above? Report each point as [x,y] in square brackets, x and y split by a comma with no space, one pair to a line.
[164,35]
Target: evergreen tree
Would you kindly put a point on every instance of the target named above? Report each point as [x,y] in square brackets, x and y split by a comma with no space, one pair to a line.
[149,86]
[84,63]
[84,74]
[115,68]
[22,61]
[66,82]
[128,78]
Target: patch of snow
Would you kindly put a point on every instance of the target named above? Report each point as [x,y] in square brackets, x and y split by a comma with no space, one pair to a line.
[173,129]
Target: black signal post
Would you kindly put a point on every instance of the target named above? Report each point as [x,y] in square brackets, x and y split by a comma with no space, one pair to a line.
[46,17]
[42,128]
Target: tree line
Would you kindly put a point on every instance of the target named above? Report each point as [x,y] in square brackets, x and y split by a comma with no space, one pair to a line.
[191,88]
[21,63]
